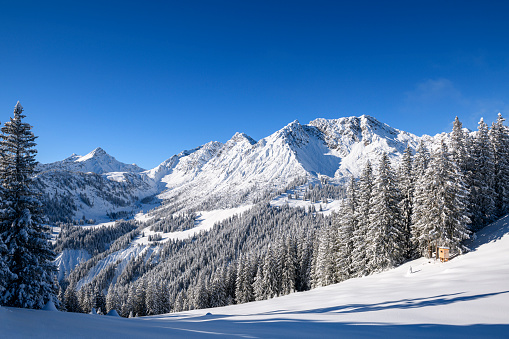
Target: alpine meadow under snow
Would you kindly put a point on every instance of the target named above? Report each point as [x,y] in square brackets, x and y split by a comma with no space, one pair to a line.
[326,229]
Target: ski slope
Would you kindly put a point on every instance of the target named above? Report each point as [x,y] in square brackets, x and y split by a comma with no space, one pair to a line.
[467,297]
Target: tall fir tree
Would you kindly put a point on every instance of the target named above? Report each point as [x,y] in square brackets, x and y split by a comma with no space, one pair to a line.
[406,186]
[325,264]
[29,255]
[499,138]
[421,161]
[346,221]
[385,233]
[288,268]
[457,147]
[483,195]
[244,282]
[359,265]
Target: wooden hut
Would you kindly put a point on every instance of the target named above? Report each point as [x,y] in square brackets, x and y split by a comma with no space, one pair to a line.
[443,253]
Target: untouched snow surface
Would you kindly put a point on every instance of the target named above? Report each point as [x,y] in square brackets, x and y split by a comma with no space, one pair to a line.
[467,297]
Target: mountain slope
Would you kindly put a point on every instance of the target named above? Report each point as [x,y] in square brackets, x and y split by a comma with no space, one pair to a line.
[465,297]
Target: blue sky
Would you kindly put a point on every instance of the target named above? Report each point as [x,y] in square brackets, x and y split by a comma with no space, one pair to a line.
[147,79]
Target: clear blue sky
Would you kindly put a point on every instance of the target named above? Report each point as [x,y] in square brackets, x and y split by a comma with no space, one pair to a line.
[147,79]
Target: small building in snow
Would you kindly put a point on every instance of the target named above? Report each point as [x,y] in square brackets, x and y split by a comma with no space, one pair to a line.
[443,253]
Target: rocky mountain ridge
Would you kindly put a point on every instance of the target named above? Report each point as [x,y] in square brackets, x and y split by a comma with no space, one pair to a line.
[223,175]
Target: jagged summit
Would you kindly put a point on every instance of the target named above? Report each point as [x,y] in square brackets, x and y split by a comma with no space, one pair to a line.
[96,153]
[241,137]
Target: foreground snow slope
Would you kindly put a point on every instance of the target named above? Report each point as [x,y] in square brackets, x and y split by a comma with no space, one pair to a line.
[467,297]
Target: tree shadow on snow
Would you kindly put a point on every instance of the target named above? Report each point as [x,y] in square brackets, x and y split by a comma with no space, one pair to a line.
[438,300]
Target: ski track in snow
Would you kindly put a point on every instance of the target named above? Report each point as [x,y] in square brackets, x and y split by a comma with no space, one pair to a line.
[467,297]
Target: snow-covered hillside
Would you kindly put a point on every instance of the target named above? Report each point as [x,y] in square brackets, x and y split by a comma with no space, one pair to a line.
[467,297]
[141,246]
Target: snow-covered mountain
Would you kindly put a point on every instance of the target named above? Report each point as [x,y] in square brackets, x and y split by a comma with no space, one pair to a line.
[240,171]
[91,187]
[97,161]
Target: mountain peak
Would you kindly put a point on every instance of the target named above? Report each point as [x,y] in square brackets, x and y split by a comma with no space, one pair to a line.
[98,152]
[97,161]
[241,137]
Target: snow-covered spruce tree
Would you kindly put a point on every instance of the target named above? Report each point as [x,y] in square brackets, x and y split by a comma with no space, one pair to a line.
[272,273]
[499,137]
[325,270]
[421,161]
[245,278]
[288,269]
[304,262]
[459,152]
[260,284]
[460,148]
[440,200]
[482,190]
[385,247]
[406,187]
[359,259]
[29,256]
[217,289]
[346,221]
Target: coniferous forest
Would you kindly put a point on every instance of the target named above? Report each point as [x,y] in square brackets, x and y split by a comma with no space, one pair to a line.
[436,195]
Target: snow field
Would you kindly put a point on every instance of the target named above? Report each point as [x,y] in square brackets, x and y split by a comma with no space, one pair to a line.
[467,297]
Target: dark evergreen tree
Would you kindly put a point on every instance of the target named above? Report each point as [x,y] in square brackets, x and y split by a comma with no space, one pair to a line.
[346,221]
[325,270]
[71,301]
[406,186]
[288,268]
[421,161]
[218,290]
[483,195]
[499,138]
[29,256]
[359,258]
[385,236]
[244,283]
[260,284]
